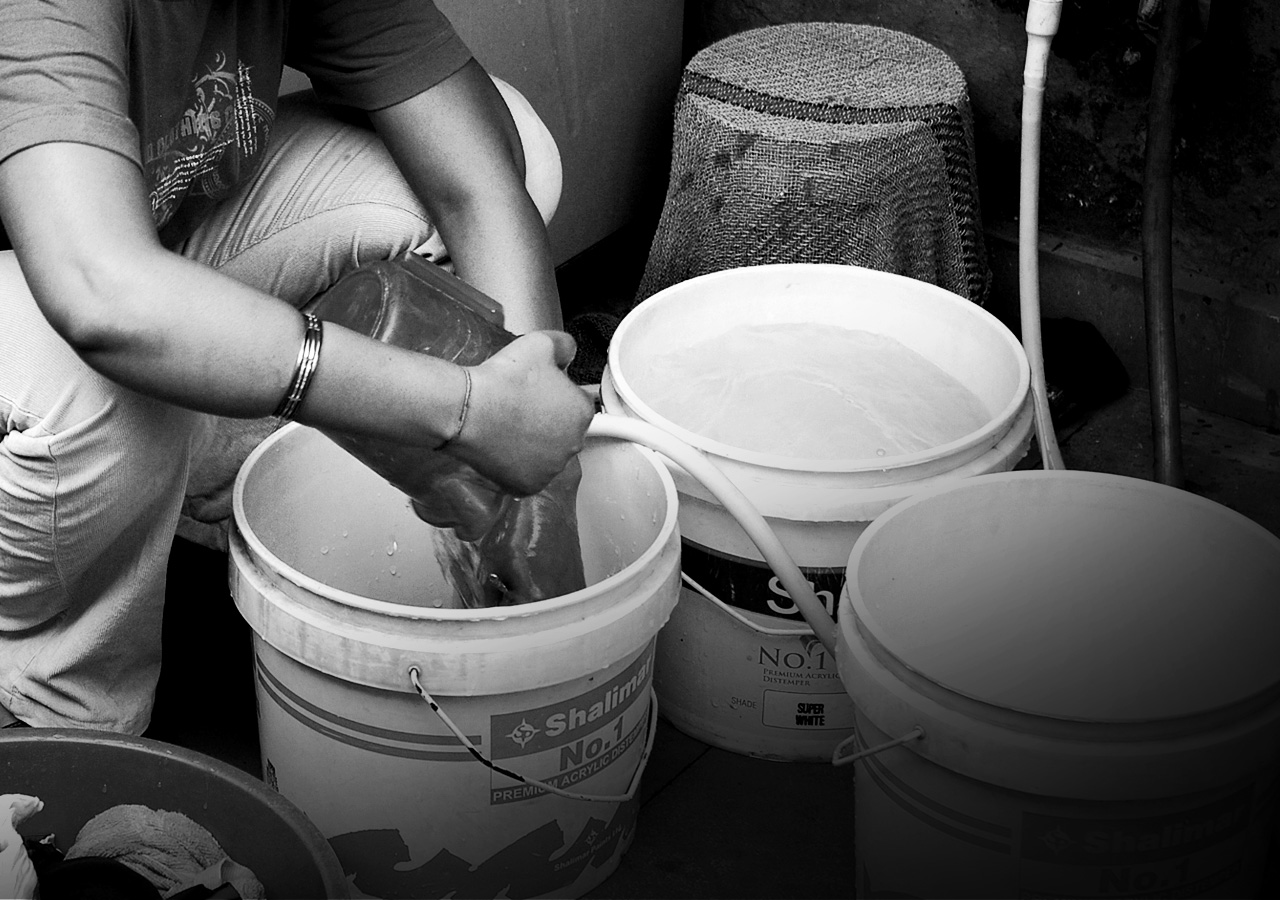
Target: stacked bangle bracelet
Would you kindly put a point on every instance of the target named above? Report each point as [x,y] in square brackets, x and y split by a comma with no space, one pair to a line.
[462,413]
[303,369]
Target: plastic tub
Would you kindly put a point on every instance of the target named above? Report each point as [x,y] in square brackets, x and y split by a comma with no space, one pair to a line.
[79,773]
[1091,660]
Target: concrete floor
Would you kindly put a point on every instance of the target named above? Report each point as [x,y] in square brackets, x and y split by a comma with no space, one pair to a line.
[712,823]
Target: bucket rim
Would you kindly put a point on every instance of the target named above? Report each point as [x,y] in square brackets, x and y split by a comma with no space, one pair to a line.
[881,642]
[991,430]
[1128,482]
[259,551]
[289,814]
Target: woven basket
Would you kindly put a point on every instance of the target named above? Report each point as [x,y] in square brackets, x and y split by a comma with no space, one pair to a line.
[822,142]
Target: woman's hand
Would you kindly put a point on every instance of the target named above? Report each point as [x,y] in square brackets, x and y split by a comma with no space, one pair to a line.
[526,418]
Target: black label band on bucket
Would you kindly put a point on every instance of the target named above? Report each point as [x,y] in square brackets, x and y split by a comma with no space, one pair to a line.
[751,585]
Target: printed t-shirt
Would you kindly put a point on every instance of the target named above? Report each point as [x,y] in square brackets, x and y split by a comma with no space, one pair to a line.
[187,89]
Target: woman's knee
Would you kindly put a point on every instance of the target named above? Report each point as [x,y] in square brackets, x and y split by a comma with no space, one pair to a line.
[544,171]
[330,197]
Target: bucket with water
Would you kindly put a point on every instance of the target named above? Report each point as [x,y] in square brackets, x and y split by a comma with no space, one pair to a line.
[739,667]
[1066,685]
[465,752]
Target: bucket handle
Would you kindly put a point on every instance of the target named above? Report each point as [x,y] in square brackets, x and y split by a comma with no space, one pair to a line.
[733,613]
[837,759]
[736,504]
[549,788]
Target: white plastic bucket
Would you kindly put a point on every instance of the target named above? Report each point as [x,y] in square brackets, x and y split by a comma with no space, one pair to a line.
[334,573]
[1092,662]
[738,667]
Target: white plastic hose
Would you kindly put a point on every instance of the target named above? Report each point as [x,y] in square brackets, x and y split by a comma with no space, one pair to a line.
[736,504]
[1042,24]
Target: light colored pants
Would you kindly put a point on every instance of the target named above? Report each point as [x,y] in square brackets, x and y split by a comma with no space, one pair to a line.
[95,479]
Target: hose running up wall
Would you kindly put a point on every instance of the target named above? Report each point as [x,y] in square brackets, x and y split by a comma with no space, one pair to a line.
[1042,24]
[1157,249]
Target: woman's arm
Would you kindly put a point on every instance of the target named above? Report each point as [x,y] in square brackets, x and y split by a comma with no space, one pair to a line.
[151,320]
[458,148]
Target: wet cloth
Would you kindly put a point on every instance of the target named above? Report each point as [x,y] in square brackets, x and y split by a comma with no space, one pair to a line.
[170,849]
[17,873]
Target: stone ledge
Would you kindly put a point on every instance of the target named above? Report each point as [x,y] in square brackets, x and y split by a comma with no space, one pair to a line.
[1228,335]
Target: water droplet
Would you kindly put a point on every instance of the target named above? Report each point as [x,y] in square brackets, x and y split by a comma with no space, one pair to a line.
[391,551]
[880,452]
[324,551]
[344,534]
[437,603]
[393,570]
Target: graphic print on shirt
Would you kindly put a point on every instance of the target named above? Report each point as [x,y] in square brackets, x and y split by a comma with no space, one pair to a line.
[216,143]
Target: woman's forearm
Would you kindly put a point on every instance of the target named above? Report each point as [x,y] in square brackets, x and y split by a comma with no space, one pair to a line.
[460,151]
[174,329]
[503,251]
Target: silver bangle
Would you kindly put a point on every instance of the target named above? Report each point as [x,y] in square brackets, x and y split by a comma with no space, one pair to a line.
[462,413]
[303,369]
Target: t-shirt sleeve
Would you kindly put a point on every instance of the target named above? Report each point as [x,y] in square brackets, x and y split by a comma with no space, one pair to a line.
[63,75]
[372,53]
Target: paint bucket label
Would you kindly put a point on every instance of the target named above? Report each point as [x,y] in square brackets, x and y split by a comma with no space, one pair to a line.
[752,586]
[772,695]
[986,841]
[1186,854]
[571,740]
[499,837]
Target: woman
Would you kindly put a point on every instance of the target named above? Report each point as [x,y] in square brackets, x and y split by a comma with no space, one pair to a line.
[169,213]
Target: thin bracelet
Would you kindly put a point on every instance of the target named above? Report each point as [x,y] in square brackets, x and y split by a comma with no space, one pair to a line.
[303,369]
[462,413]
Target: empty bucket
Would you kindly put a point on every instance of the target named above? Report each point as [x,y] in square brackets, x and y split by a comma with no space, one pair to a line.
[1087,666]
[337,578]
[738,666]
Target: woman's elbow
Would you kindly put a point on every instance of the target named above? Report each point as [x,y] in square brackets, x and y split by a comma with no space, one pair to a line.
[87,306]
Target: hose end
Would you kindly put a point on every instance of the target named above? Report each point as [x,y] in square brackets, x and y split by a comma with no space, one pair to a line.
[1043,17]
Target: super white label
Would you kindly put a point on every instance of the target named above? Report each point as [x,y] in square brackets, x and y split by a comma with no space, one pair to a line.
[812,711]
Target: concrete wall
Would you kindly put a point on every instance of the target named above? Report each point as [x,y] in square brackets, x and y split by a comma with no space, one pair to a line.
[603,76]
[1227,188]
[1226,183]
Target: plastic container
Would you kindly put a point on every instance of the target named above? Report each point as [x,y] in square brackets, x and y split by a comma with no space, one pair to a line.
[336,577]
[1092,661]
[738,666]
[80,773]
[411,303]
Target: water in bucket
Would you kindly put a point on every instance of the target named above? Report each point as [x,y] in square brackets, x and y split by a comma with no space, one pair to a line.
[809,390]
